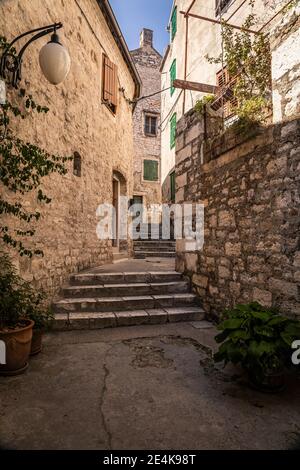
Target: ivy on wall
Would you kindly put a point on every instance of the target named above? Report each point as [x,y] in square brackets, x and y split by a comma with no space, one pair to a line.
[23,166]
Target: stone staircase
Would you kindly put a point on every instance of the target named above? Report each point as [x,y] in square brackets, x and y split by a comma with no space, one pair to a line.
[151,244]
[110,299]
[154,248]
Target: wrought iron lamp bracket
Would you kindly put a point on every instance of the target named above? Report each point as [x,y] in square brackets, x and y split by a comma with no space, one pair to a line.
[11,62]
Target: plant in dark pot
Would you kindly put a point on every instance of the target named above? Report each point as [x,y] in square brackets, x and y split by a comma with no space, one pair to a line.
[18,302]
[260,340]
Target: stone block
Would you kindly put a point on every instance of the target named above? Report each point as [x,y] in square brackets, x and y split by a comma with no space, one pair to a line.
[134,317]
[213,290]
[79,321]
[183,154]
[181,180]
[180,195]
[157,316]
[233,249]
[264,297]
[280,286]
[102,320]
[235,288]
[191,261]
[193,133]
[224,272]
[200,280]
[226,219]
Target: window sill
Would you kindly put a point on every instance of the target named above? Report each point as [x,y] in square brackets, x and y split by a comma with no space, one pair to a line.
[150,135]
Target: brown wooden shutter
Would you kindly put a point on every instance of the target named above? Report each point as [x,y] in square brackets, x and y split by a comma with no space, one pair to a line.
[110,83]
[223,79]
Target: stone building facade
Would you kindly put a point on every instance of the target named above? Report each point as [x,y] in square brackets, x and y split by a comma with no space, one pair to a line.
[250,191]
[78,121]
[249,185]
[146,123]
[204,38]
[285,44]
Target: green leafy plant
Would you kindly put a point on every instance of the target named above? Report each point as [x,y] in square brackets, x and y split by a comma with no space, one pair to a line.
[201,104]
[248,61]
[23,166]
[256,337]
[18,300]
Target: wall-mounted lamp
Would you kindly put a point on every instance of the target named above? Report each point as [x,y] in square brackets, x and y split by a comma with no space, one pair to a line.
[54,58]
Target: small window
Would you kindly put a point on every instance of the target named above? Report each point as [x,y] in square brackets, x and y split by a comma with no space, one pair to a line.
[172,186]
[174,24]
[173,122]
[110,84]
[77,164]
[222,6]
[150,170]
[150,125]
[173,75]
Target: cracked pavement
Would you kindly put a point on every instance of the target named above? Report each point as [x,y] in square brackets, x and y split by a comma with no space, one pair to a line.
[144,387]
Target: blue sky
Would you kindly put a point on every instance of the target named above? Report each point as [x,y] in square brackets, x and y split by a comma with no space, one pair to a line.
[134,15]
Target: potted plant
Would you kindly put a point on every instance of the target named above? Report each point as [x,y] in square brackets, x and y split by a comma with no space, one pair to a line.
[15,326]
[259,339]
[42,321]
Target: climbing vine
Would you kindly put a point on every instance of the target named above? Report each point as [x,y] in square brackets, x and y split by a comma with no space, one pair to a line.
[23,165]
[201,104]
[248,60]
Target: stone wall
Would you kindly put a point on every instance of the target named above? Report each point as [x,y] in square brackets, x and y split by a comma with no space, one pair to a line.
[147,61]
[250,189]
[77,121]
[285,44]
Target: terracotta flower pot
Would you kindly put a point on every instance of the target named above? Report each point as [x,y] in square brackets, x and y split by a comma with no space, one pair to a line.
[36,343]
[18,344]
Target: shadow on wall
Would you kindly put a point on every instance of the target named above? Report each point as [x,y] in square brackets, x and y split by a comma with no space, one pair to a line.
[250,189]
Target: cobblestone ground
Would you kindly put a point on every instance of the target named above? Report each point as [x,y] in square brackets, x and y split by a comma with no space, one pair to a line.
[146,387]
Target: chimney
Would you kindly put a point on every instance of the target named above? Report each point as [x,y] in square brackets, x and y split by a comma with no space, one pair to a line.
[146,38]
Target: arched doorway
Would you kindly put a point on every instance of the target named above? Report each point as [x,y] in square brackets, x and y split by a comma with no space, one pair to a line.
[119,189]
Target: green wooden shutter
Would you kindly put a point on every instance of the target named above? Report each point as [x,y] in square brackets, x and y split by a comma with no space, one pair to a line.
[150,170]
[172,186]
[173,75]
[173,123]
[174,23]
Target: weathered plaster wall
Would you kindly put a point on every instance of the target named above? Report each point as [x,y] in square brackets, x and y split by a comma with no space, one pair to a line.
[77,121]
[285,45]
[250,189]
[147,61]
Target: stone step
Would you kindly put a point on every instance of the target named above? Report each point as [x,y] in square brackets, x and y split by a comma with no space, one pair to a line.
[154,254]
[154,248]
[115,290]
[154,243]
[90,279]
[120,256]
[112,304]
[89,320]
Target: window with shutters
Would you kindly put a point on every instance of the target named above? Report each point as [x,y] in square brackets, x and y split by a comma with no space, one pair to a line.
[150,125]
[151,170]
[172,186]
[173,75]
[174,23]
[110,84]
[222,6]
[173,122]
[230,103]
